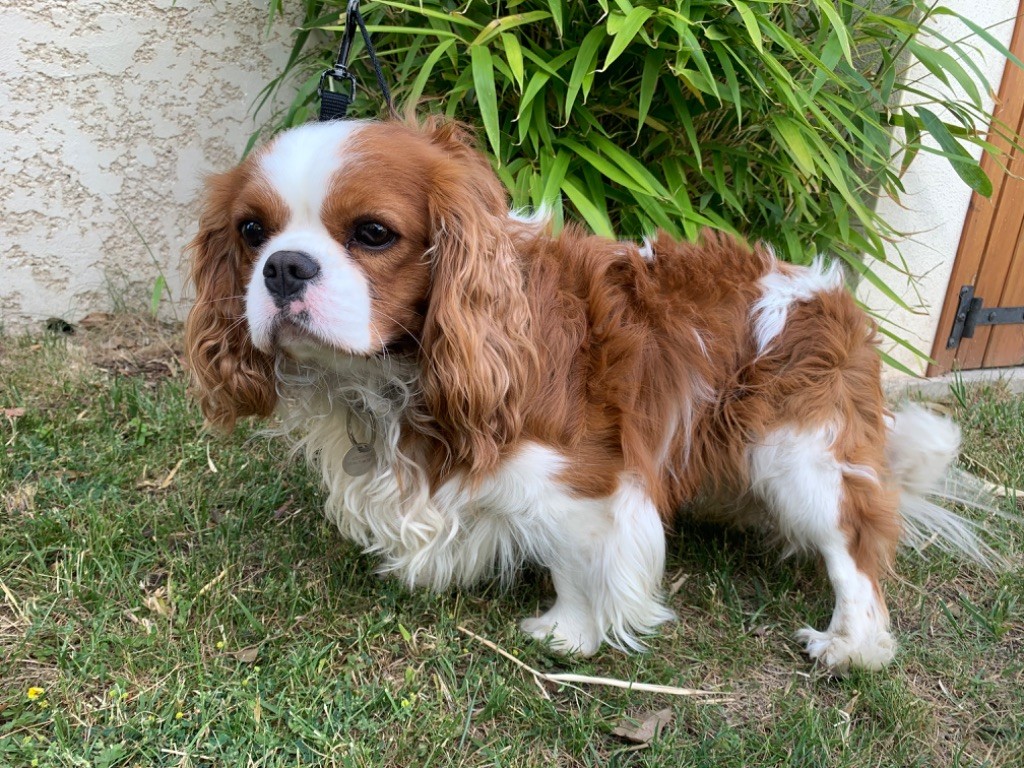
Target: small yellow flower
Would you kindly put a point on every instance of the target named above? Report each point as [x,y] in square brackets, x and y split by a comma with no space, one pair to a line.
[178,715]
[34,693]
[220,644]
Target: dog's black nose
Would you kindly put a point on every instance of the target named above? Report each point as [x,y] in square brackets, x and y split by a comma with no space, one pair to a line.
[287,273]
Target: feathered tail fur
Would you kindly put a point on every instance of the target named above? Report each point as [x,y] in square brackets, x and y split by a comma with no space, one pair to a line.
[921,450]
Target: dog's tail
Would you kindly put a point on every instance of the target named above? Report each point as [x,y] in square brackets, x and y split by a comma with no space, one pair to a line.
[921,449]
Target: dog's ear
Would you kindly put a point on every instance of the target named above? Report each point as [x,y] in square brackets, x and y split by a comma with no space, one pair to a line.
[230,376]
[477,355]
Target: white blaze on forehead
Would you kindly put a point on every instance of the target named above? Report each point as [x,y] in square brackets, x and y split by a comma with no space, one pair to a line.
[300,164]
[335,308]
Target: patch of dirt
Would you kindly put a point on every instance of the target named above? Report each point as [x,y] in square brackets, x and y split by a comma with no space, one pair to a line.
[131,345]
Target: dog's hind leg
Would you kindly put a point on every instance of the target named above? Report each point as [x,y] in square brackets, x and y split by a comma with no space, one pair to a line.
[607,558]
[823,503]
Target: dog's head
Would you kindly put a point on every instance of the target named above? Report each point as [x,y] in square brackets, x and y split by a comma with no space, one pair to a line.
[363,239]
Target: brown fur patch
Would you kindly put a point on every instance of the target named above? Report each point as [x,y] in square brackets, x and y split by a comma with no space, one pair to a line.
[231,377]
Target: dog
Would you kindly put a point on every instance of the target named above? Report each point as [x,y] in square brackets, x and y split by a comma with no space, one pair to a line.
[479,392]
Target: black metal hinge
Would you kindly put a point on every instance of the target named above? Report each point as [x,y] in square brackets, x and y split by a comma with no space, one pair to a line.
[971,312]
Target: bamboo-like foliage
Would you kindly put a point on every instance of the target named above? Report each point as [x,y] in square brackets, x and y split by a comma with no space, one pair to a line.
[778,120]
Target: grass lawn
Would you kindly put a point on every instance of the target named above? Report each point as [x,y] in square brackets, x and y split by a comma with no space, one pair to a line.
[173,598]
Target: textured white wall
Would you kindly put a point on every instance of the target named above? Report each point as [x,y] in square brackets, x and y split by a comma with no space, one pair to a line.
[111,112]
[932,210]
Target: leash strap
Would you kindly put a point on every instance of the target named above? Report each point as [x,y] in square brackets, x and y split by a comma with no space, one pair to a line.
[334,104]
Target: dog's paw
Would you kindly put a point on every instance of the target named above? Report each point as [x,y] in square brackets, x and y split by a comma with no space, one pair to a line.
[563,634]
[839,653]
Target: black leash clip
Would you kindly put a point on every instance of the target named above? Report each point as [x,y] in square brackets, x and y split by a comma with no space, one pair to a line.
[334,104]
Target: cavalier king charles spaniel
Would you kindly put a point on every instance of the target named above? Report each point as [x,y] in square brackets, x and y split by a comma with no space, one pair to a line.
[479,392]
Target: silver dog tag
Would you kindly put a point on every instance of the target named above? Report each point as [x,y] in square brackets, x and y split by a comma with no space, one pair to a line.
[359,459]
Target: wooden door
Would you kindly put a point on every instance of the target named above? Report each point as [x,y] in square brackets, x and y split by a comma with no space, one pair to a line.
[991,252]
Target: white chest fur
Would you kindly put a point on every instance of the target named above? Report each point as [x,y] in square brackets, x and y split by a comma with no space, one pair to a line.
[606,555]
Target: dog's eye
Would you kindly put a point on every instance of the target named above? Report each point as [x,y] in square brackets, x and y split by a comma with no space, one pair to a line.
[373,234]
[253,233]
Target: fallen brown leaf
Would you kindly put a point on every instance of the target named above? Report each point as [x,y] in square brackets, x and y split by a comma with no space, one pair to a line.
[284,509]
[170,477]
[245,655]
[643,731]
[146,484]
[678,584]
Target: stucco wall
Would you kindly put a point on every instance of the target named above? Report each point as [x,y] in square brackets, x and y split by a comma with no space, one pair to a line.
[110,113]
[932,210]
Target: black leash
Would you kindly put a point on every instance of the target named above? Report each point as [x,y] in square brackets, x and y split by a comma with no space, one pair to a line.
[334,104]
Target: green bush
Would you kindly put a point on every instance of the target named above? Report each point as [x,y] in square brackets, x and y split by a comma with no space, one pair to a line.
[772,119]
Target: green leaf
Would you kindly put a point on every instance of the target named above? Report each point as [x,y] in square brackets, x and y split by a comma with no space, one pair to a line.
[514,57]
[684,116]
[626,34]
[830,56]
[537,82]
[583,66]
[557,15]
[377,29]
[426,69]
[939,63]
[594,216]
[896,364]
[605,166]
[725,60]
[648,83]
[159,286]
[912,140]
[966,167]
[750,22]
[451,18]
[838,27]
[656,212]
[486,96]
[630,165]
[792,138]
[551,66]
[553,175]
[506,23]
